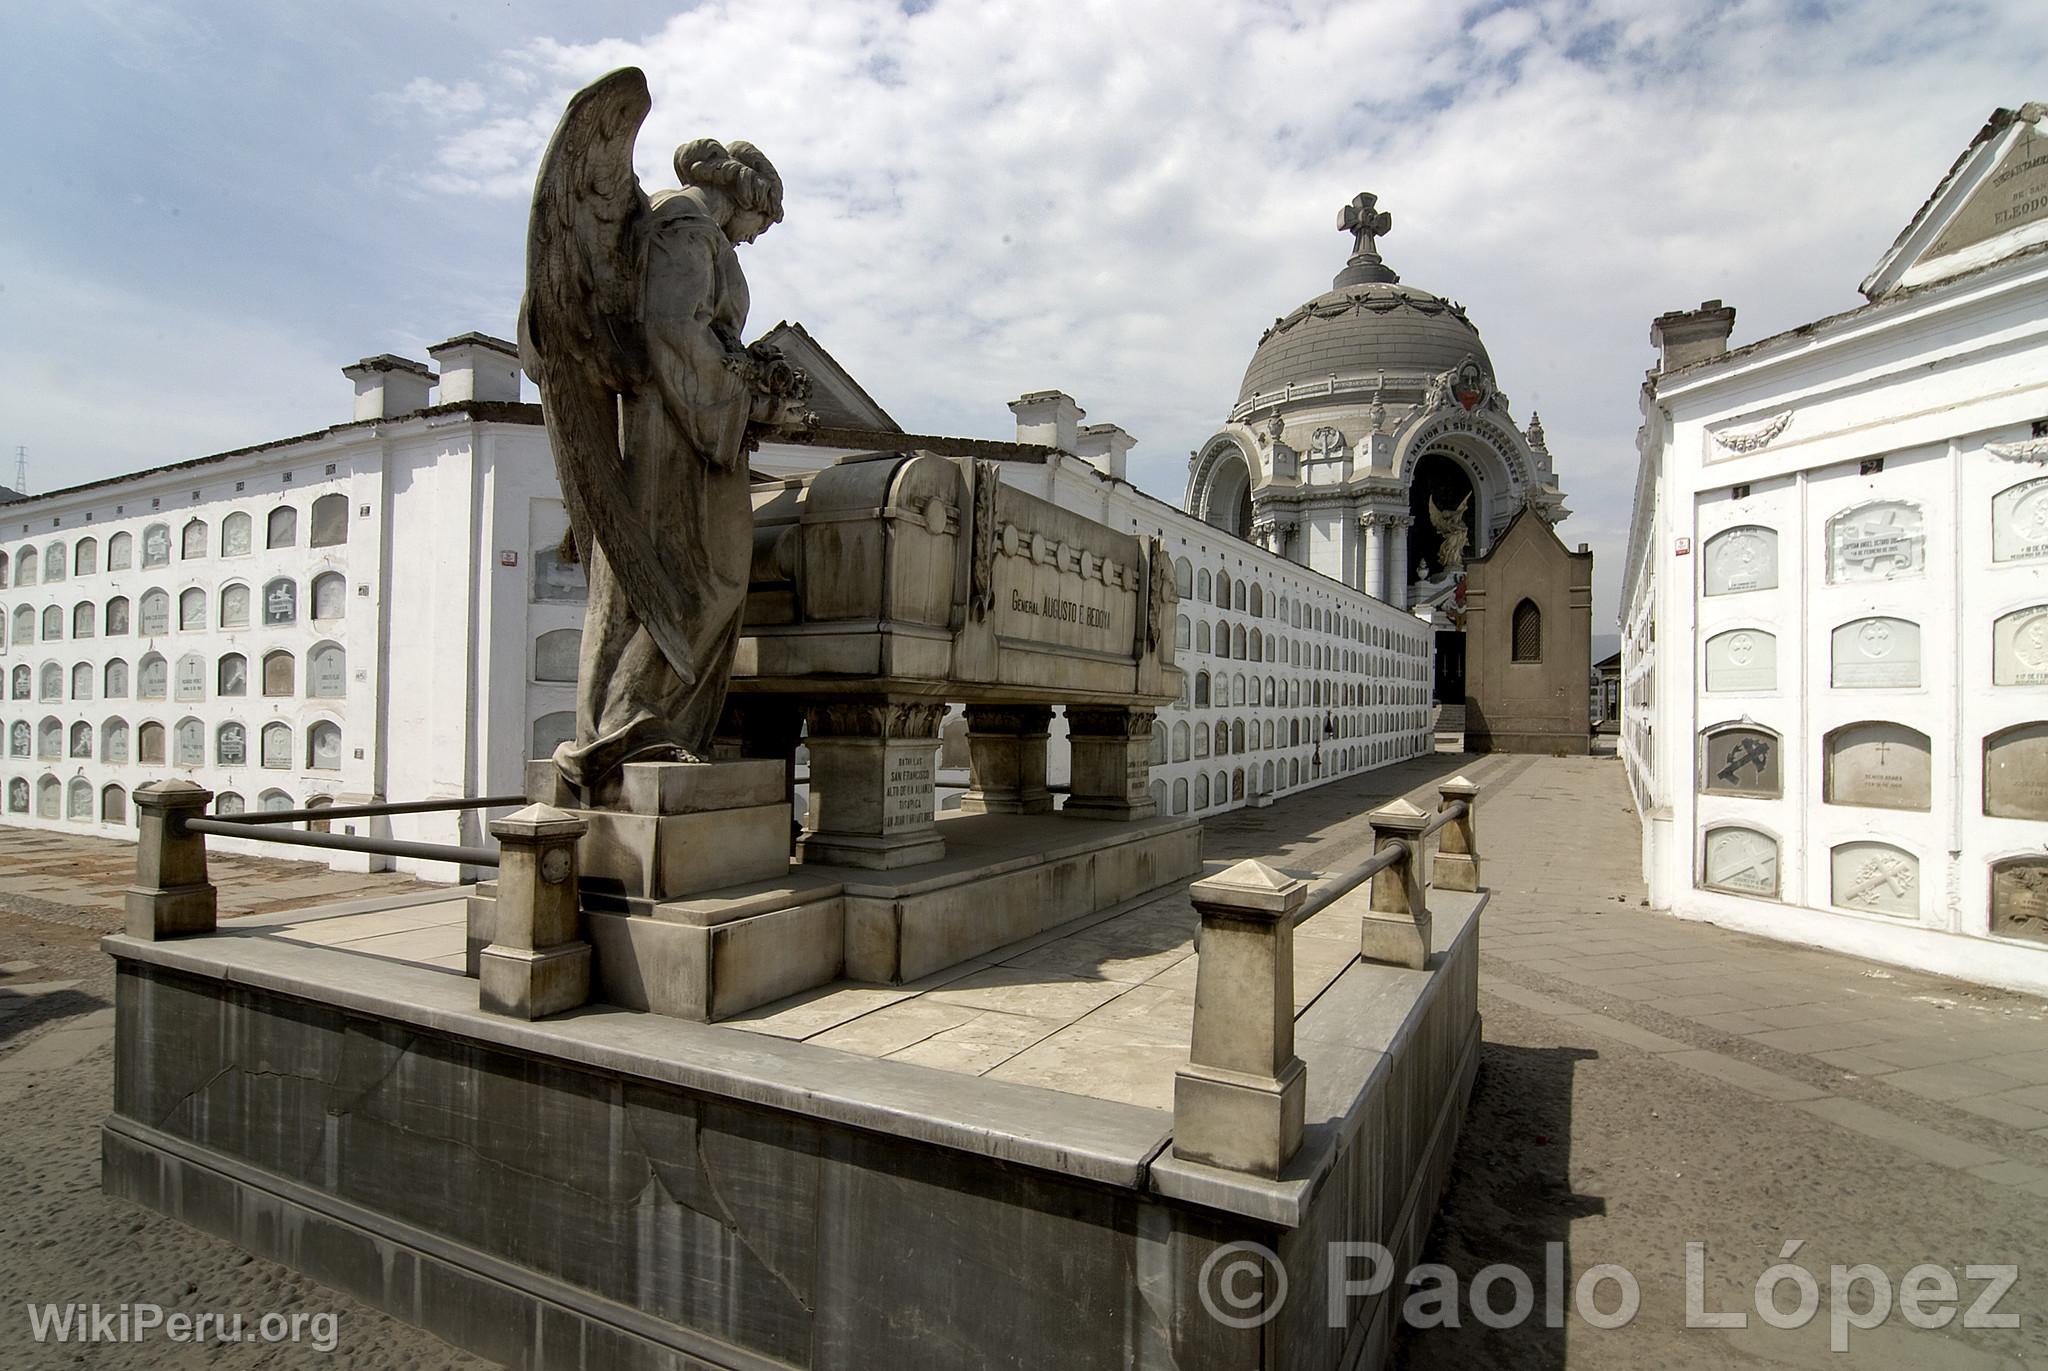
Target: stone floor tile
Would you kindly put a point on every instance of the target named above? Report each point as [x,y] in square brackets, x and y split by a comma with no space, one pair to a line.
[893,1027]
[1716,1003]
[1824,1037]
[1950,1081]
[2009,1112]
[981,1044]
[1744,1076]
[1943,1149]
[1102,1061]
[1019,990]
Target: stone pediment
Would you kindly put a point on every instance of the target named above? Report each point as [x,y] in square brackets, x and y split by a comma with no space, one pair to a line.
[1992,204]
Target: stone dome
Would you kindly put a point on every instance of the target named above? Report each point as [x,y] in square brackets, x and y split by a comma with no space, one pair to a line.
[1360,328]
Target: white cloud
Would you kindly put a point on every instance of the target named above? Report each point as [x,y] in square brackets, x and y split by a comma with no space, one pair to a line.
[1114,198]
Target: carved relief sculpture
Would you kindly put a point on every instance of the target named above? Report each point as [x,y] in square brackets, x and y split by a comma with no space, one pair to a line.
[631,328]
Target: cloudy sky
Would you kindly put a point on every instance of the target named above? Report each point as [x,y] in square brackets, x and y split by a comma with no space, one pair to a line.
[212,207]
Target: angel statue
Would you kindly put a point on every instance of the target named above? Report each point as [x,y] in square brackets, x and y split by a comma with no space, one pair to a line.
[1450,527]
[631,328]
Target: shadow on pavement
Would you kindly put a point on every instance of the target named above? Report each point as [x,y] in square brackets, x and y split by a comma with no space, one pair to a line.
[1509,1202]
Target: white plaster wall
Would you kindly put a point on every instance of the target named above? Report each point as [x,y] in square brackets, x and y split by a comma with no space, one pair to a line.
[1924,384]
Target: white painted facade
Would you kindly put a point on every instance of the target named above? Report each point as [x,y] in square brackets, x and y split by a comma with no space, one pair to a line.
[446,611]
[1840,544]
[1310,679]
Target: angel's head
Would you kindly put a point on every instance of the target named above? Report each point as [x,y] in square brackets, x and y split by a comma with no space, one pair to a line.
[745,177]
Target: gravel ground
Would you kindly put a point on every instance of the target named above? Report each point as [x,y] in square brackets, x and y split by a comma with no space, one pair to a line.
[63,1242]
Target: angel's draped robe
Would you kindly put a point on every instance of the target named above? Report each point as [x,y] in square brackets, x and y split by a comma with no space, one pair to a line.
[686,473]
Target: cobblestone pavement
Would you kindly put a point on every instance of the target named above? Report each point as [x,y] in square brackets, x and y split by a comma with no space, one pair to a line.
[1645,1083]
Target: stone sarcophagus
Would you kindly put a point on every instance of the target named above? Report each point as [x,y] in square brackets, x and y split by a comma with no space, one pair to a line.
[885,587]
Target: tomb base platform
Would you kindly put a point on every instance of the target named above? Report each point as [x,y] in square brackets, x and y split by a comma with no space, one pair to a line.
[612,1188]
[1003,877]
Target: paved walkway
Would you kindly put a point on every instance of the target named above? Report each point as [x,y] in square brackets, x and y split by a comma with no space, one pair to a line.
[1645,1083]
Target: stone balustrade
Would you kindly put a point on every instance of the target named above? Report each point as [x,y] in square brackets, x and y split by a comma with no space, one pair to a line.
[1237,1105]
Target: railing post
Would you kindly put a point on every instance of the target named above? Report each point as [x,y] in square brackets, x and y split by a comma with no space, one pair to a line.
[1238,1102]
[171,896]
[536,964]
[1395,930]
[1457,849]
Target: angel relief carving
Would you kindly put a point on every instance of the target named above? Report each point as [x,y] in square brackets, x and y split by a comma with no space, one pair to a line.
[631,327]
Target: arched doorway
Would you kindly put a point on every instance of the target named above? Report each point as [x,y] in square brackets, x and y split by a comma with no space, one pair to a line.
[1442,479]
[1442,486]
[1227,500]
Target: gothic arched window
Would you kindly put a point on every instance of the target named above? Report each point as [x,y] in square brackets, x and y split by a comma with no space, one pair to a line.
[1528,628]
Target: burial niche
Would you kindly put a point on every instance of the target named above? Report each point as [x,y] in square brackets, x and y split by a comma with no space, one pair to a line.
[2019,522]
[1739,860]
[1882,540]
[1880,765]
[2019,898]
[1875,654]
[1741,558]
[1875,877]
[1740,759]
[1742,659]
[2016,772]
[2019,647]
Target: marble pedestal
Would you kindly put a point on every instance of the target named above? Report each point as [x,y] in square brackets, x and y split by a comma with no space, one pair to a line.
[1111,747]
[1006,759]
[873,763]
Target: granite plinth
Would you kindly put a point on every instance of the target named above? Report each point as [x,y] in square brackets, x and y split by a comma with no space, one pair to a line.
[629,1190]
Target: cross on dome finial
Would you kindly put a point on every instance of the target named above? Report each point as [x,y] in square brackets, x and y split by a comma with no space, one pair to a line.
[1364,221]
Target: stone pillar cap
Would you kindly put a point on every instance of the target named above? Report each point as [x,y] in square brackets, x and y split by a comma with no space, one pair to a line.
[174,786]
[1250,887]
[1458,785]
[539,821]
[1398,815]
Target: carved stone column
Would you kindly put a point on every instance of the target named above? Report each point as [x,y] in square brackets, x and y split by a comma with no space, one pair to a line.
[171,895]
[1112,762]
[1375,555]
[1006,759]
[872,773]
[1397,574]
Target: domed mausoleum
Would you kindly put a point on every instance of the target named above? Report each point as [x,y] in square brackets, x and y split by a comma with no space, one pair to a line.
[1370,442]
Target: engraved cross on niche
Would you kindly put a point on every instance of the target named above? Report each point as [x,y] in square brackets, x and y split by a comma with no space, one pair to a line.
[1364,222]
[1749,752]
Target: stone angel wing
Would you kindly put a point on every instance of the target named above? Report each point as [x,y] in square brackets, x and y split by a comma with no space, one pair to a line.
[580,336]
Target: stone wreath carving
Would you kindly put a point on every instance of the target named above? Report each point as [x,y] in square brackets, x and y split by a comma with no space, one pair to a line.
[1757,438]
[981,592]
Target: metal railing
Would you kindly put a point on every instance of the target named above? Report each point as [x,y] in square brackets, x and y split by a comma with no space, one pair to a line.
[1344,882]
[259,827]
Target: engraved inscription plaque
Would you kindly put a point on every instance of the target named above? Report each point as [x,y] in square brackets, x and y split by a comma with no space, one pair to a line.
[1742,861]
[2019,647]
[907,798]
[1875,877]
[1741,558]
[2019,898]
[1879,541]
[1742,659]
[1875,653]
[1739,760]
[2019,522]
[1883,765]
[2016,772]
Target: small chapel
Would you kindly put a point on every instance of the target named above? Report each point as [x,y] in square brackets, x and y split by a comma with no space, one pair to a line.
[1371,442]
